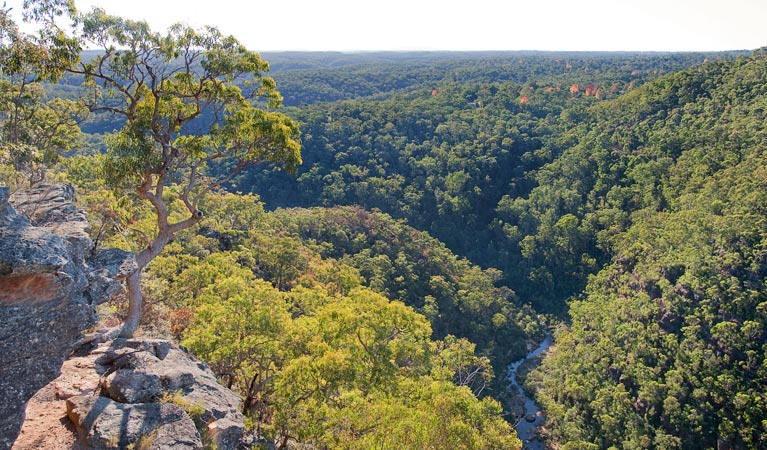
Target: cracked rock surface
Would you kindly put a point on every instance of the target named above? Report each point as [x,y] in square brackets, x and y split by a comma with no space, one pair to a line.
[140,393]
[51,279]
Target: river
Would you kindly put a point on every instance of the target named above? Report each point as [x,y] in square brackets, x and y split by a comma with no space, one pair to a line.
[526,429]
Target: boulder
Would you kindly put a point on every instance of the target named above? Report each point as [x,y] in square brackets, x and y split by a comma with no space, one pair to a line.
[141,370]
[50,281]
[105,424]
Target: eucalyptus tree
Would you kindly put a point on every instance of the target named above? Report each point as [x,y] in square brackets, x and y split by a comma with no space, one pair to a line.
[189,99]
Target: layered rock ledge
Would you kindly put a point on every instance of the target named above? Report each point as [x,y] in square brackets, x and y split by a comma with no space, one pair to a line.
[133,393]
[51,279]
[59,389]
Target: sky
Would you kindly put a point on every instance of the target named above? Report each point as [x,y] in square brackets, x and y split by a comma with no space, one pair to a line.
[368,25]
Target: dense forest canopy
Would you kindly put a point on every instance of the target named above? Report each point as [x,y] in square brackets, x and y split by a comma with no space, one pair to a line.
[655,188]
[667,344]
[450,207]
[465,155]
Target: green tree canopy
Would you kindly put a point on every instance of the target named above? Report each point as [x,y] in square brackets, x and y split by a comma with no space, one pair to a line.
[34,130]
[189,99]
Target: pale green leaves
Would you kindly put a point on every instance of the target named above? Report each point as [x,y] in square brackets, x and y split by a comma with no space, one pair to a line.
[257,135]
[185,101]
[349,371]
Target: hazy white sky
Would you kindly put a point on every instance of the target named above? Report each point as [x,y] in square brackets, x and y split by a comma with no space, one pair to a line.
[464,25]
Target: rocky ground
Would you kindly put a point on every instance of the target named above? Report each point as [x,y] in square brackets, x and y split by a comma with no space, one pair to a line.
[51,279]
[46,425]
[144,393]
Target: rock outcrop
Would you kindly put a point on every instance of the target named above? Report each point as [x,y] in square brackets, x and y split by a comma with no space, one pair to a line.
[86,393]
[154,390]
[133,393]
[148,425]
[51,279]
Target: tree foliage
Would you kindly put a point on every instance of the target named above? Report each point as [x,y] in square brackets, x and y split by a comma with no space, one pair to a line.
[182,112]
[450,147]
[666,348]
[35,130]
[346,371]
[458,298]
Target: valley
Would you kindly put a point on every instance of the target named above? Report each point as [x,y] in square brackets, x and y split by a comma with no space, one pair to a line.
[368,247]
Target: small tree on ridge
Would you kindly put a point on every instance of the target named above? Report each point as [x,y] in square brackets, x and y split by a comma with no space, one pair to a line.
[189,98]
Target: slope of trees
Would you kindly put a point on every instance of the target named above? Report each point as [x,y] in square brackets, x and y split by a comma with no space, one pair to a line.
[663,184]
[465,158]
[329,77]
[458,297]
[667,344]
[318,354]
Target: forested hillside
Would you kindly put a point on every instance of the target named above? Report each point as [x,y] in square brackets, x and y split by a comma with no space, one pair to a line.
[458,297]
[660,189]
[666,348]
[330,77]
[465,157]
[313,335]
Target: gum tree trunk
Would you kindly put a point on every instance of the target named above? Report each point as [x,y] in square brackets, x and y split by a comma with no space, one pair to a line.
[133,285]
[133,281]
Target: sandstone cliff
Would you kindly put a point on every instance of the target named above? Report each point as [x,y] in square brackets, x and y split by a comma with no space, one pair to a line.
[108,395]
[50,281]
